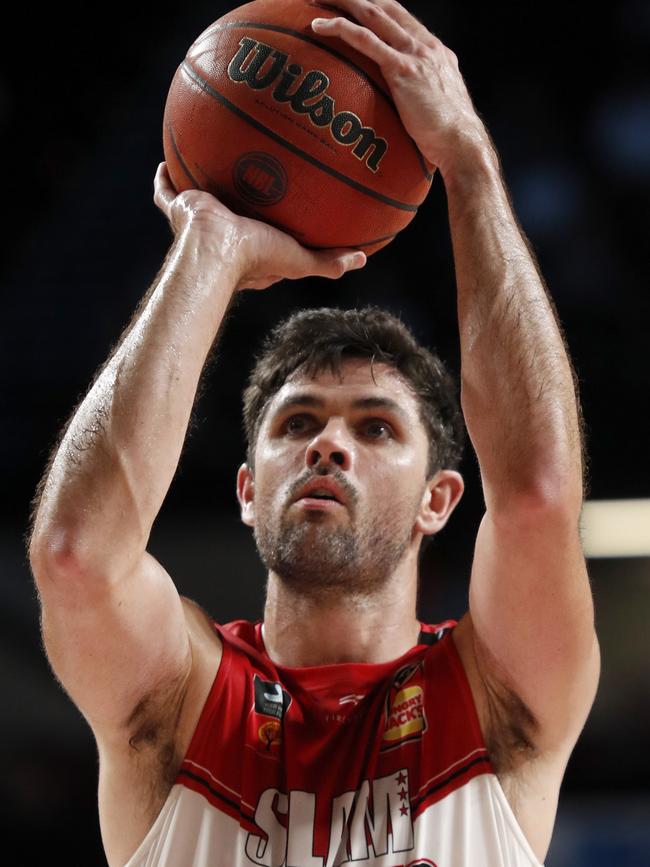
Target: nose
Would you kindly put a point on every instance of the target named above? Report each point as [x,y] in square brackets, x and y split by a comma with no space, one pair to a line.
[330,445]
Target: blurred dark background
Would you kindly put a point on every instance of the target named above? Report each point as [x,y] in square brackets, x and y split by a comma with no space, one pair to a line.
[565,93]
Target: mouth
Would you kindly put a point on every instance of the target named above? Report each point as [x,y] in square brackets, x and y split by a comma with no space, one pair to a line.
[319,503]
[321,494]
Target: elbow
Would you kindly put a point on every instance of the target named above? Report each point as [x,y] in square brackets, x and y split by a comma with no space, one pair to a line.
[543,495]
[534,506]
[52,554]
[68,559]
[55,556]
[557,497]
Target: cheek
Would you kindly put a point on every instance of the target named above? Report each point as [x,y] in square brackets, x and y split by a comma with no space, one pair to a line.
[273,484]
[399,487]
[399,471]
[270,495]
[277,456]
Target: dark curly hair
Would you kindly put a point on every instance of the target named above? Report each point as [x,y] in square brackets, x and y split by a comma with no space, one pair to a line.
[314,340]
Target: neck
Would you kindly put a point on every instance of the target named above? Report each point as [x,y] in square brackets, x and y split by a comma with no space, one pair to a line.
[301,631]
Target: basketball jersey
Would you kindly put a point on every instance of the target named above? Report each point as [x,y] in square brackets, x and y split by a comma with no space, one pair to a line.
[371,765]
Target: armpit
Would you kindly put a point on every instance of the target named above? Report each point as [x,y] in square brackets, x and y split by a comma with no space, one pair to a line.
[511,729]
[154,720]
[152,728]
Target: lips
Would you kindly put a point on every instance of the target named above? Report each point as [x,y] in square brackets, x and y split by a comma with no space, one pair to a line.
[322,488]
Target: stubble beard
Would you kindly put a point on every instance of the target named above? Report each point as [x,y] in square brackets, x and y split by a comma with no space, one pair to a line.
[316,558]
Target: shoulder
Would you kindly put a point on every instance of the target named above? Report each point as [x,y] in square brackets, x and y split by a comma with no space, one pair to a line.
[200,623]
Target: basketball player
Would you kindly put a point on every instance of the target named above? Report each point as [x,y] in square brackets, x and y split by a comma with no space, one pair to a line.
[341,729]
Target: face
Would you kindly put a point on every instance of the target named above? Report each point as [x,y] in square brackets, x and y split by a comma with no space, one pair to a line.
[363,437]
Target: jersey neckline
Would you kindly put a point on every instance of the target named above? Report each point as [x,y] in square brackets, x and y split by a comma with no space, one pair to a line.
[427,636]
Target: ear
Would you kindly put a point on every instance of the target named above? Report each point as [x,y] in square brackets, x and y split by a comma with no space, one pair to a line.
[440,498]
[246,495]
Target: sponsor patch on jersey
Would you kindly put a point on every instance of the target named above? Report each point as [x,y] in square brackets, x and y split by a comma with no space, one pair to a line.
[404,674]
[270,698]
[270,734]
[405,716]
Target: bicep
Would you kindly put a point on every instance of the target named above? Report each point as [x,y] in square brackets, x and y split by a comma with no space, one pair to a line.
[114,646]
[533,621]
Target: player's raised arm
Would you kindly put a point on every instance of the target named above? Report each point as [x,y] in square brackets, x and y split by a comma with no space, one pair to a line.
[530,601]
[113,623]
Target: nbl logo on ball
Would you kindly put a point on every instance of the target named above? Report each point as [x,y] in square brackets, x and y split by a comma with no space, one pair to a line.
[260,65]
[260,178]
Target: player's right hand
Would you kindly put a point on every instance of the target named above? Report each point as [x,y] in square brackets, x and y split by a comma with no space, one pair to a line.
[260,254]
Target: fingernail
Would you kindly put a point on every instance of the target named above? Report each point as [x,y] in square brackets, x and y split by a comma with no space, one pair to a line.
[318,22]
[357,260]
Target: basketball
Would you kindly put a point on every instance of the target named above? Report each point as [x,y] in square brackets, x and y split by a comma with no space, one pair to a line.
[293,129]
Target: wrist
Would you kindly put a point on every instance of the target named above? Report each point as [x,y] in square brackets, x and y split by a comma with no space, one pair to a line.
[470,157]
[211,244]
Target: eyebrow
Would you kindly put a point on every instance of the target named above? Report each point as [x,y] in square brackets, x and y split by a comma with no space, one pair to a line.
[307,399]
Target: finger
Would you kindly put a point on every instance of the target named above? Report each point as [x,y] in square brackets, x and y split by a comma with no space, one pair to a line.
[361,38]
[259,284]
[407,20]
[164,192]
[328,263]
[373,17]
[364,10]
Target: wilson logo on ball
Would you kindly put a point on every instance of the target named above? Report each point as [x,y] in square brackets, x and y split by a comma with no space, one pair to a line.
[249,65]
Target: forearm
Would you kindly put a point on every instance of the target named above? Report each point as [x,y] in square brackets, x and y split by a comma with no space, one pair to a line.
[119,453]
[518,389]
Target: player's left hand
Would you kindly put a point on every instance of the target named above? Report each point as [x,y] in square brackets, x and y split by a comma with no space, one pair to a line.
[422,73]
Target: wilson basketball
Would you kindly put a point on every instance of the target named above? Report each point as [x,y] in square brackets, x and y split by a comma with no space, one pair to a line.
[293,129]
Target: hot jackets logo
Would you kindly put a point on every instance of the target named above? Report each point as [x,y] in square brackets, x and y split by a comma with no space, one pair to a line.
[260,65]
[405,716]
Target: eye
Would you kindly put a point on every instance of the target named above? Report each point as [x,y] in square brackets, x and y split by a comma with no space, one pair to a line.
[377,429]
[296,424]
